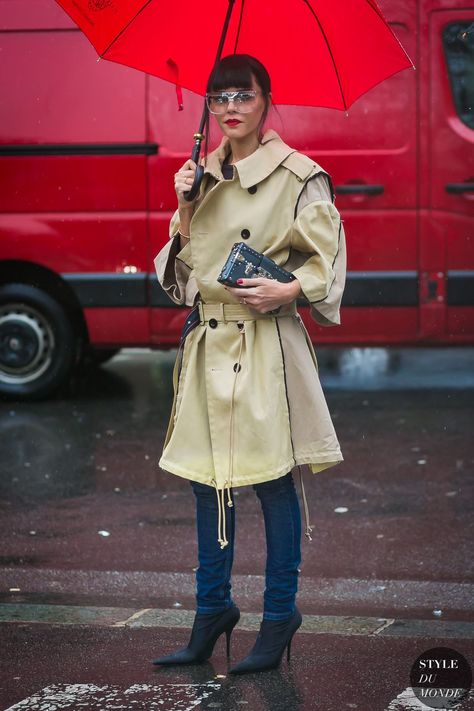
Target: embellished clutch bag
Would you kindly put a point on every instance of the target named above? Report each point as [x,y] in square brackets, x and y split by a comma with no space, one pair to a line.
[244,262]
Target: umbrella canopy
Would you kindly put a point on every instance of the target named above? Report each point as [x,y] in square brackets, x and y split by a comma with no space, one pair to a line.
[318,52]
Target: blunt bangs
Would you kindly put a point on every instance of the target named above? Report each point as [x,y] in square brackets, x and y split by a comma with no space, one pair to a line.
[230,74]
[237,70]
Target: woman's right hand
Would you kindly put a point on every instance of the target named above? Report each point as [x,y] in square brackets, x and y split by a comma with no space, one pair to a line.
[183,181]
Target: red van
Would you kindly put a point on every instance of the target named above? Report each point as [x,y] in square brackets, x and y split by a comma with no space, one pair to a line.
[88,150]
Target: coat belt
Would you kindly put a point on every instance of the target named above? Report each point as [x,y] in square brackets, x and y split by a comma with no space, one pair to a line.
[239,312]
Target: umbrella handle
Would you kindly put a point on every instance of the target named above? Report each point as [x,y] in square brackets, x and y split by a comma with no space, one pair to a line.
[191,194]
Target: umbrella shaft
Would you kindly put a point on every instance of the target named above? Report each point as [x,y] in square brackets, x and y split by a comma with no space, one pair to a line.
[199,136]
[224,30]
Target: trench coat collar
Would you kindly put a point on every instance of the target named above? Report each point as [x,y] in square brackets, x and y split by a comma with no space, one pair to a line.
[257,166]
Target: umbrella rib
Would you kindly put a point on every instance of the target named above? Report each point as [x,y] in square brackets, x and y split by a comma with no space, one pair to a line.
[329,50]
[125,27]
[375,8]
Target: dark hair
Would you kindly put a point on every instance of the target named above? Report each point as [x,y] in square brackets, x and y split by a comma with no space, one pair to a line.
[237,70]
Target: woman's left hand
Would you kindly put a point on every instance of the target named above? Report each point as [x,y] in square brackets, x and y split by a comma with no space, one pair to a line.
[265,295]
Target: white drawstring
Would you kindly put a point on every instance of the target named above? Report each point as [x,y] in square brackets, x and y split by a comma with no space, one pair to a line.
[237,366]
[221,527]
[221,514]
[309,528]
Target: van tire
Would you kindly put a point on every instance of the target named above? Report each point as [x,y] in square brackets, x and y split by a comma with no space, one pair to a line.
[37,343]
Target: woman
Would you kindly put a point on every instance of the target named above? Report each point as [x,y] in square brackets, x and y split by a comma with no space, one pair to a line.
[248,402]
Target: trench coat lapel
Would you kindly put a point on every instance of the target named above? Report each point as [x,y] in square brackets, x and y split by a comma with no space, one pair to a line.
[257,166]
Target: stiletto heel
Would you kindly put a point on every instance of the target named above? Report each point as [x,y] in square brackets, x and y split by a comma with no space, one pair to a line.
[273,638]
[206,631]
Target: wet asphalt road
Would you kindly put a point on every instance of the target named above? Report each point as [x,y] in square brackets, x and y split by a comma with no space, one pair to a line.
[97,548]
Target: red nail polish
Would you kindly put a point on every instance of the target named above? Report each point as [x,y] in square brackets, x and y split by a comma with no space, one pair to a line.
[240,281]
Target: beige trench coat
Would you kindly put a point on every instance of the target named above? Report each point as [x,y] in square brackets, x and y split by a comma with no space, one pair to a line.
[249,406]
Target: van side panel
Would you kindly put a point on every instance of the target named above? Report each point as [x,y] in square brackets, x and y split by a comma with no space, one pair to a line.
[88,150]
[448,223]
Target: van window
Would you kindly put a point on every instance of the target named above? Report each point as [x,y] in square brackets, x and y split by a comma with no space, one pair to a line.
[458,41]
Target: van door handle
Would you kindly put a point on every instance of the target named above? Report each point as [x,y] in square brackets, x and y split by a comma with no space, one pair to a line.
[356,189]
[459,187]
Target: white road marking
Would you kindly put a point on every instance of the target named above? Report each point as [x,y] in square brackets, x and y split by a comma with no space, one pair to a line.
[384,625]
[132,618]
[407,701]
[172,697]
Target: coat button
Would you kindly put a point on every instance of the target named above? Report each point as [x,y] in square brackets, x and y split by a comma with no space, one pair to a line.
[245,234]
[212,323]
[237,367]
[252,190]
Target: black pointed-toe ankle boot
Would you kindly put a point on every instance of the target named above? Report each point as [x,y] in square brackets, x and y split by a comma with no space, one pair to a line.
[271,641]
[206,631]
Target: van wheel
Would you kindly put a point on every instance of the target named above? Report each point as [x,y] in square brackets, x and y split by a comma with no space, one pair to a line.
[37,342]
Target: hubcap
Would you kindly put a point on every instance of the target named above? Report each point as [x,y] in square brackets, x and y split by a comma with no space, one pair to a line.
[26,344]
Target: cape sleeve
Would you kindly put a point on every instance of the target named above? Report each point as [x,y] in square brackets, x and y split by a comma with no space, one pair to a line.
[174,266]
[318,242]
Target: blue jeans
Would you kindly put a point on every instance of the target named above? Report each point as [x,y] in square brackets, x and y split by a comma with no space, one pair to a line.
[282,518]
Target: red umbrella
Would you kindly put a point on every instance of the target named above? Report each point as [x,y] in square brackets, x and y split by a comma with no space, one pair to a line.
[318,53]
